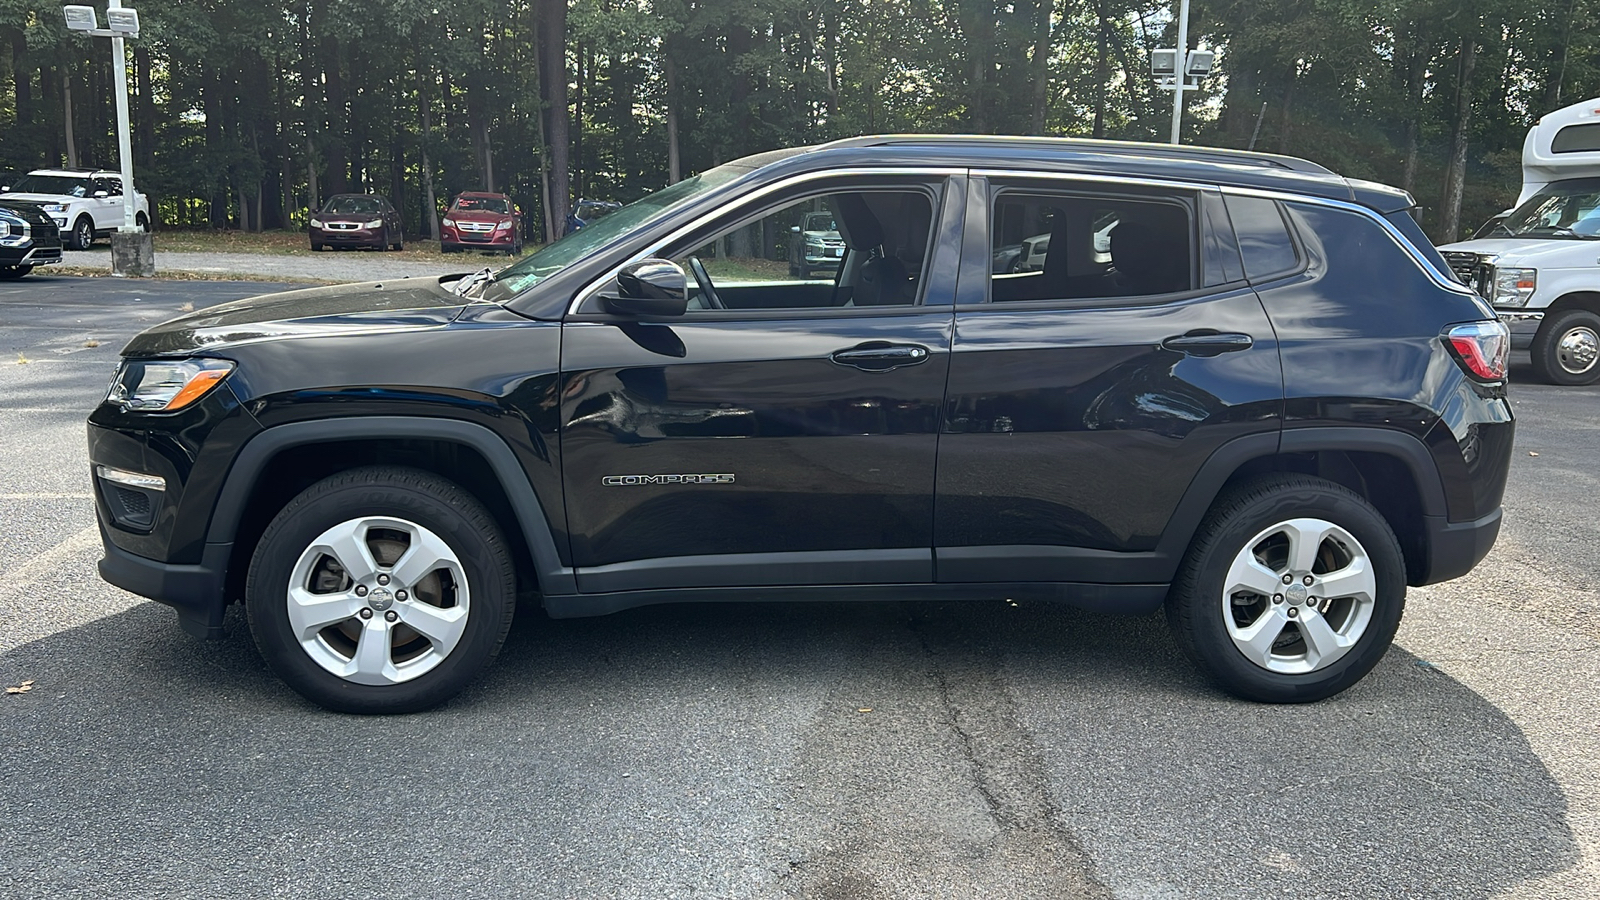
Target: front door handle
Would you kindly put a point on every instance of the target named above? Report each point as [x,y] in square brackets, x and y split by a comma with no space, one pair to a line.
[880,356]
[1208,343]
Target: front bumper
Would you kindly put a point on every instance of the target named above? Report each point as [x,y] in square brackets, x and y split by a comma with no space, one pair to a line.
[195,591]
[357,237]
[36,254]
[1523,324]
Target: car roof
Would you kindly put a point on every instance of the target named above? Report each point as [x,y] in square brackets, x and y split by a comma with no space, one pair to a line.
[91,172]
[1212,165]
[482,194]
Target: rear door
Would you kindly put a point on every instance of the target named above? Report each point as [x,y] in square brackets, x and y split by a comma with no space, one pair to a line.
[1085,397]
[783,430]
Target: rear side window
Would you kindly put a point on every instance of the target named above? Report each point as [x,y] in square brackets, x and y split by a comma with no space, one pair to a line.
[1264,239]
[1577,139]
[1089,246]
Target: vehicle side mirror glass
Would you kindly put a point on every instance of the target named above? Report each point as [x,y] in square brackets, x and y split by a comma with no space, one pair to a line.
[650,287]
[794,229]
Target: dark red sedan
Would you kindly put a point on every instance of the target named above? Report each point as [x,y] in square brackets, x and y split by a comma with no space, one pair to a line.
[357,220]
[482,221]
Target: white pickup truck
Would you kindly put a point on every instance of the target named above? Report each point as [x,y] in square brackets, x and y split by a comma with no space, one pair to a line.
[1539,263]
[85,203]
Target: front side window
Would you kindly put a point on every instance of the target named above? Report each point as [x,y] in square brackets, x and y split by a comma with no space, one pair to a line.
[1080,246]
[861,248]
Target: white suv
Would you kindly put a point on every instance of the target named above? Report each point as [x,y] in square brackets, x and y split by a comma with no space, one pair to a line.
[84,202]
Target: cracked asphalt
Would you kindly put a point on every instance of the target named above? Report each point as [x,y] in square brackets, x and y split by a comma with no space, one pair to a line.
[826,750]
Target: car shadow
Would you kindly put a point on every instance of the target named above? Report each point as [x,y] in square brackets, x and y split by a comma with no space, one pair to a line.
[722,748]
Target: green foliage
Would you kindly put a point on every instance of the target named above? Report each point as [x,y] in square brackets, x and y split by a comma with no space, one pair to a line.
[246,104]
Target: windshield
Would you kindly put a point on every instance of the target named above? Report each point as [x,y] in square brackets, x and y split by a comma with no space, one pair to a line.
[353,206]
[483,204]
[552,258]
[60,185]
[1564,209]
[820,222]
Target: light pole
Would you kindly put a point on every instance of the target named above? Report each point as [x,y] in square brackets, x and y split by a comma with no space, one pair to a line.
[132,251]
[1179,69]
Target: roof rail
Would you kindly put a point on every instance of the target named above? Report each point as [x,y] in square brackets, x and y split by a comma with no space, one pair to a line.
[1090,145]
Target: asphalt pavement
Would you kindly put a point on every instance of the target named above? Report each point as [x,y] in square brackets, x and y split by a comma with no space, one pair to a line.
[830,750]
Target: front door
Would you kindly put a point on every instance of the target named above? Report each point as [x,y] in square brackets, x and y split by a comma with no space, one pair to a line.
[783,430]
[1087,394]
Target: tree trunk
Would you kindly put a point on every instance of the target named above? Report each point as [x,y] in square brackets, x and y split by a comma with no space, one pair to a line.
[1101,73]
[554,80]
[338,137]
[1553,83]
[144,127]
[430,202]
[1456,173]
[1041,64]
[66,117]
[674,162]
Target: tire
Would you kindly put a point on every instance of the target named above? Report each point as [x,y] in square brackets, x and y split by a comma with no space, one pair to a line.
[142,222]
[398,245]
[316,248]
[1248,541]
[1566,349]
[82,234]
[446,248]
[369,519]
[9,272]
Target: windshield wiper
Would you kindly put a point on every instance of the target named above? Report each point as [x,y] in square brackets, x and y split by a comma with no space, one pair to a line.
[482,276]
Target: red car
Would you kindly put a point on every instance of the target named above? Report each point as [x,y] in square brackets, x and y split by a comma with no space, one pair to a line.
[481,221]
[357,220]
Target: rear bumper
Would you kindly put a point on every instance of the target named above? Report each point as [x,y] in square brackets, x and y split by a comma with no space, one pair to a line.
[195,591]
[1455,547]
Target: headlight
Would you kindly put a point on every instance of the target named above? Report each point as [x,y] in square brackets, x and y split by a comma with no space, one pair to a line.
[55,207]
[316,223]
[502,226]
[165,386]
[375,223]
[1514,287]
[449,222]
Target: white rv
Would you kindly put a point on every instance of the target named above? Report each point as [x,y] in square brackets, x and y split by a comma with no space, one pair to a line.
[1539,263]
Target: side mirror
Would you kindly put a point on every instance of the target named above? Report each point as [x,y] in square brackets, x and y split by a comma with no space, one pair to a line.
[99,195]
[794,229]
[649,287]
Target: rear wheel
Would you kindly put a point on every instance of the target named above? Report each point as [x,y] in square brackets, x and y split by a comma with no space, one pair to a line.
[141,222]
[1291,591]
[380,590]
[1566,350]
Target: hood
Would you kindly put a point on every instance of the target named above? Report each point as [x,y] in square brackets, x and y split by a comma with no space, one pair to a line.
[41,198]
[1533,252]
[340,309]
[823,235]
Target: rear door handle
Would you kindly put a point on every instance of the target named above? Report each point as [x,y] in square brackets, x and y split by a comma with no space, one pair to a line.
[1208,343]
[880,356]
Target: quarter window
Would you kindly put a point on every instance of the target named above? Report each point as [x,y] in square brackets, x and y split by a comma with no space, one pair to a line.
[1264,240]
[1083,246]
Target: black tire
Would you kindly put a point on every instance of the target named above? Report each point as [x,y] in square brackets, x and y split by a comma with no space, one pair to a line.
[1564,351]
[82,234]
[9,272]
[412,497]
[1197,607]
[446,248]
[316,248]
[142,222]
[398,245]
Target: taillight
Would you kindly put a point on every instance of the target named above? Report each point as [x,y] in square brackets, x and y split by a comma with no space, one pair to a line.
[1482,348]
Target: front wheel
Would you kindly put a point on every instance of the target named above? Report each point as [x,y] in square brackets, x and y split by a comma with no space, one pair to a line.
[1291,591]
[1566,350]
[380,590]
[82,233]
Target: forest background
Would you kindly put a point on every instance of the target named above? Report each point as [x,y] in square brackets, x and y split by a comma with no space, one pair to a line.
[247,113]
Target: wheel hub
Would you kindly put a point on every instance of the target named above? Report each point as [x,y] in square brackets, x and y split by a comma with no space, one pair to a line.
[1296,594]
[1578,349]
[380,599]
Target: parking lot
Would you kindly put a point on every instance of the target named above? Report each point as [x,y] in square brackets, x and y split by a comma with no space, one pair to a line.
[980,750]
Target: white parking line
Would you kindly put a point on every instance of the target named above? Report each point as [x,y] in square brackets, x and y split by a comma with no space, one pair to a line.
[46,496]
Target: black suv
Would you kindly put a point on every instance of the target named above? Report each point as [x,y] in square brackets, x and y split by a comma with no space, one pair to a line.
[1260,399]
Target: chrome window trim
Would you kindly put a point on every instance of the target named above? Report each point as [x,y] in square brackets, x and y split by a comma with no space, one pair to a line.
[594,287]
[1286,196]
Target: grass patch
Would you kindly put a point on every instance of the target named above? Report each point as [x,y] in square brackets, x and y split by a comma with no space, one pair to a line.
[297,243]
